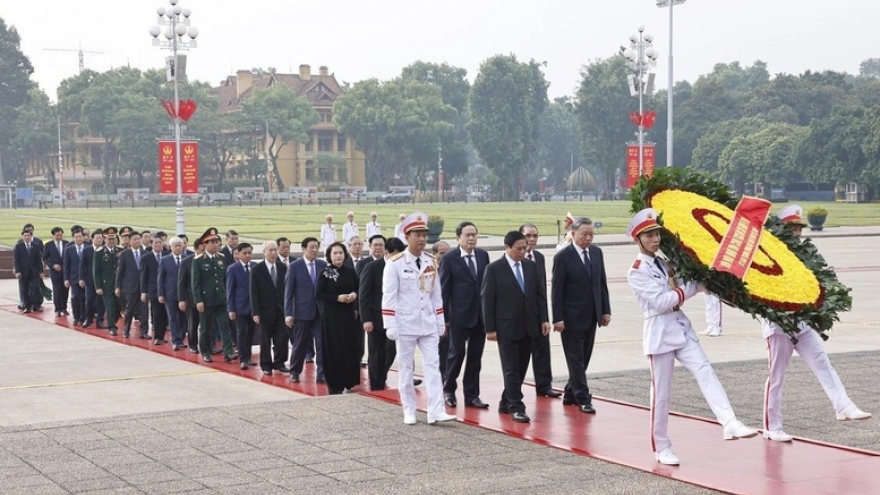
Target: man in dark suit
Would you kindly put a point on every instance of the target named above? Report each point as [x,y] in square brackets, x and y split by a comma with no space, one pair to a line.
[284,255]
[128,278]
[28,266]
[377,252]
[514,302]
[53,255]
[168,296]
[541,343]
[229,248]
[238,303]
[149,285]
[301,311]
[71,263]
[461,275]
[94,307]
[580,302]
[187,302]
[370,299]
[267,306]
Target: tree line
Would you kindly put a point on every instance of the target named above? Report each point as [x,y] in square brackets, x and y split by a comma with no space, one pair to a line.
[737,123]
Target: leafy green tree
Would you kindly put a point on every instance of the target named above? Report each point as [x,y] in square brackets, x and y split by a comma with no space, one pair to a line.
[34,138]
[717,137]
[15,85]
[287,116]
[506,103]
[138,122]
[559,142]
[834,149]
[870,68]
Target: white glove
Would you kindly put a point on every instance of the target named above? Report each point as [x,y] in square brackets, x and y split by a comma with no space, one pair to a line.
[391,333]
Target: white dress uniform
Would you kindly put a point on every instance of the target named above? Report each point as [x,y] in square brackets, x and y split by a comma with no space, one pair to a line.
[328,235]
[412,311]
[809,346]
[566,239]
[398,232]
[668,335]
[349,230]
[713,316]
[373,228]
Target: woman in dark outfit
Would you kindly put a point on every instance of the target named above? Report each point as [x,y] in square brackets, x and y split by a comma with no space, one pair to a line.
[337,288]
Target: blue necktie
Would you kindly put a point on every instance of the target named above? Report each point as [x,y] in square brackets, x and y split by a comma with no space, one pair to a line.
[519,277]
[137,258]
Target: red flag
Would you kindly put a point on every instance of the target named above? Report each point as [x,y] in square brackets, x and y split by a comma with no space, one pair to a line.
[740,243]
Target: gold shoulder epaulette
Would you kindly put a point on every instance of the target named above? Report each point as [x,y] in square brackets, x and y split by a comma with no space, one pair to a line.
[396,256]
[429,255]
[99,249]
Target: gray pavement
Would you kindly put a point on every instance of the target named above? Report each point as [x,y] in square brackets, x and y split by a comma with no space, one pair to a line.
[85,415]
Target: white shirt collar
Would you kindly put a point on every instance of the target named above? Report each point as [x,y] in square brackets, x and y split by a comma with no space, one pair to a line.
[511,262]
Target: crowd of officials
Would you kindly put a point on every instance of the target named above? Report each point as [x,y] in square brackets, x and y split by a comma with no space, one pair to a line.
[402,295]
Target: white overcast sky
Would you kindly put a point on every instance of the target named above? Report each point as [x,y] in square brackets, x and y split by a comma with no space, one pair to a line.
[359,39]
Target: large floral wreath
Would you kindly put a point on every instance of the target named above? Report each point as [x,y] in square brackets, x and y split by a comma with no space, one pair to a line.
[789,281]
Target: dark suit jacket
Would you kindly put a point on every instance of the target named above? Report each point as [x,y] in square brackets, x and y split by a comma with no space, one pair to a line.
[71,263]
[362,265]
[512,313]
[184,281]
[52,257]
[227,255]
[149,282]
[461,291]
[28,263]
[238,283]
[85,265]
[267,299]
[542,267]
[166,283]
[128,276]
[579,299]
[370,292]
[299,291]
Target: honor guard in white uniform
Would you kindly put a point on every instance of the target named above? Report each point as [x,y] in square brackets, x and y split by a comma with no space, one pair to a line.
[328,233]
[713,316]
[808,344]
[567,222]
[398,229]
[374,227]
[350,229]
[412,311]
[668,335]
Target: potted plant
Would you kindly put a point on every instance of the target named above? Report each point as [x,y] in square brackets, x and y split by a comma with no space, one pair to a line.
[435,228]
[816,217]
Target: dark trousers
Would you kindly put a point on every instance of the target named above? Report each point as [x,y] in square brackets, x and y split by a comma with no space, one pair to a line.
[465,342]
[244,336]
[273,334]
[214,315]
[60,293]
[541,363]
[29,291]
[193,319]
[443,347]
[176,320]
[134,305]
[159,315]
[514,363]
[301,334]
[578,347]
[94,305]
[78,302]
[111,305]
[380,357]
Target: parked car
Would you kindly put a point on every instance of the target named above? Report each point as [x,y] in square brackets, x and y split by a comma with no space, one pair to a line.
[398,196]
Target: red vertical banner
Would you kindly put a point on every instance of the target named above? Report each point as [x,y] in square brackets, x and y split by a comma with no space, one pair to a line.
[190,167]
[632,162]
[167,168]
[740,243]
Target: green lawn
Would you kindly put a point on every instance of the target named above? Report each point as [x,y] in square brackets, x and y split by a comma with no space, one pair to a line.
[296,222]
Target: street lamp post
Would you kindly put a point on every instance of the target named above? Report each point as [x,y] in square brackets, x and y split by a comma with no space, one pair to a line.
[670,81]
[176,18]
[641,57]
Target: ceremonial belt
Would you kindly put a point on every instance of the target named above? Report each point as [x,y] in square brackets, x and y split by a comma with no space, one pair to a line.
[653,312]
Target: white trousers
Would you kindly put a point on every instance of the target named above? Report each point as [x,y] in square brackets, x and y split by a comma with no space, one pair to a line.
[810,348]
[428,346]
[713,314]
[692,357]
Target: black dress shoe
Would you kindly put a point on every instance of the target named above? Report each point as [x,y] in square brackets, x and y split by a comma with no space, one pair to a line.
[267,372]
[100,325]
[520,417]
[87,324]
[38,310]
[144,336]
[294,377]
[283,369]
[449,399]
[207,358]
[251,363]
[243,366]
[26,311]
[504,408]
[310,360]
[550,393]
[175,347]
[587,408]
[417,382]
[160,342]
[477,403]
[320,379]
[64,313]
[113,332]
[230,357]
[125,335]
[569,401]
[216,351]
[193,350]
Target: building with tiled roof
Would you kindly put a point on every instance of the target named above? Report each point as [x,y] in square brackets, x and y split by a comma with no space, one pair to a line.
[296,161]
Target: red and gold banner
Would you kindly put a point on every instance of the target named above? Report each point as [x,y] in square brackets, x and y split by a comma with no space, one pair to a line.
[632,162]
[189,165]
[740,243]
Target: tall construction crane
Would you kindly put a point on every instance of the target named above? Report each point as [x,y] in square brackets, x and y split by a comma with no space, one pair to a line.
[80,52]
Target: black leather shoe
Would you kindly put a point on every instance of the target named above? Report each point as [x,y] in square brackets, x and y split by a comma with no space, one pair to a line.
[193,350]
[100,325]
[87,323]
[175,347]
[230,357]
[207,358]
[251,363]
[449,399]
[504,408]
[417,382]
[283,369]
[320,379]
[569,401]
[587,408]
[477,403]
[160,342]
[550,393]
[267,372]
[310,360]
[125,335]
[113,332]
[520,417]
[216,351]
[294,377]
[244,366]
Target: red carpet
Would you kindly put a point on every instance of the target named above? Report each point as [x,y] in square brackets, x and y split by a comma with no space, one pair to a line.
[619,434]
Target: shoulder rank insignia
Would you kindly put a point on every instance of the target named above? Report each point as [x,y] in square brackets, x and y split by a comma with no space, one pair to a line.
[636,264]
[397,256]
[99,249]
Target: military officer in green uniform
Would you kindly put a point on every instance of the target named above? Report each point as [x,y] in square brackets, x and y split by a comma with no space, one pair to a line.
[209,295]
[104,272]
